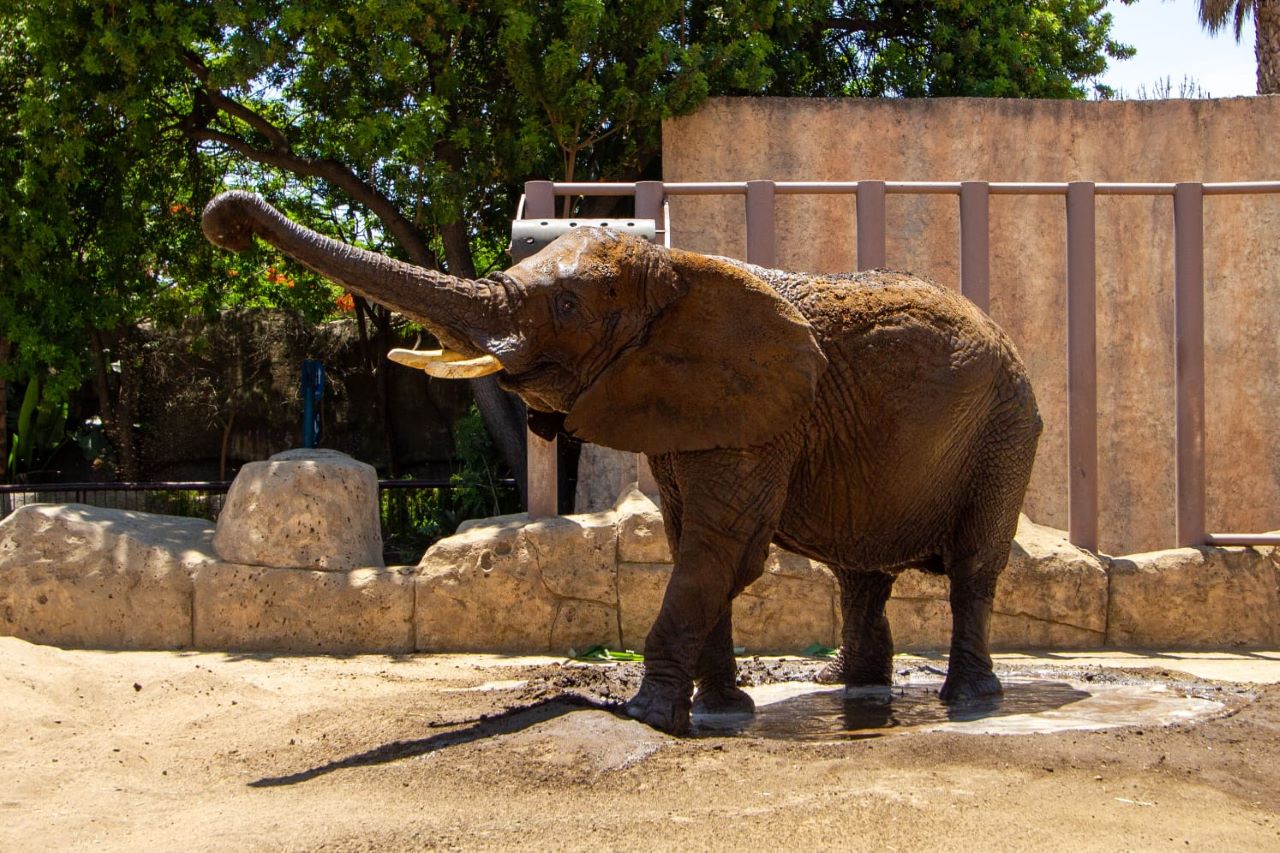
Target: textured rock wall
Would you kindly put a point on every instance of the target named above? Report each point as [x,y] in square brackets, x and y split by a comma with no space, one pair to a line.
[1005,140]
[84,576]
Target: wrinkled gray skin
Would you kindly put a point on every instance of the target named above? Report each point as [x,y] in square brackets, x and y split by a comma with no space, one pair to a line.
[874,422]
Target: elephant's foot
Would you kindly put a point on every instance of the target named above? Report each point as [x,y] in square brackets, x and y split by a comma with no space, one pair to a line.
[855,672]
[723,700]
[663,707]
[964,685]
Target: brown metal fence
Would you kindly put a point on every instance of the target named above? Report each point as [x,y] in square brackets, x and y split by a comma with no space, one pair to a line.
[1080,198]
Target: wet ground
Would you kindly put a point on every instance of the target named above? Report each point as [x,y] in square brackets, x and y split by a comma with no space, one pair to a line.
[213,751]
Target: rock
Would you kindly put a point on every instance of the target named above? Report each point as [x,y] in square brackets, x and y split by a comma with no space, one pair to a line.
[1050,595]
[522,587]
[253,608]
[919,624]
[789,607]
[1195,598]
[919,612]
[74,575]
[602,474]
[642,536]
[786,609]
[313,509]
[640,590]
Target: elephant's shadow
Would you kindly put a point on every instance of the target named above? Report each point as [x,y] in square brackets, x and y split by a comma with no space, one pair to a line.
[821,714]
[508,722]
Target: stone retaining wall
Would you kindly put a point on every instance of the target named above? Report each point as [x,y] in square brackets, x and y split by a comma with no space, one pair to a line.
[73,575]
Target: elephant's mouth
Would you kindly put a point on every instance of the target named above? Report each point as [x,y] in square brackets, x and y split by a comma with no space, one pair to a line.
[535,384]
[447,364]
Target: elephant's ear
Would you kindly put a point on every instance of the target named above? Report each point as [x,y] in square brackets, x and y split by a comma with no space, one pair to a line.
[728,363]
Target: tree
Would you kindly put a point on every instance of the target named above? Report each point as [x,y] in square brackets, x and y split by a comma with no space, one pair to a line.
[407,126]
[1215,14]
[98,209]
[908,48]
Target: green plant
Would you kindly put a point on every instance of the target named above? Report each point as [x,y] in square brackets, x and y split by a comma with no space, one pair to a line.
[42,429]
[476,491]
[413,519]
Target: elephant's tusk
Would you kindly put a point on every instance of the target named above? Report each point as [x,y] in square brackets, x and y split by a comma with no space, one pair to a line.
[446,364]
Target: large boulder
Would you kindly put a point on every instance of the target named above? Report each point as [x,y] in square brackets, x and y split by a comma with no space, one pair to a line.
[511,585]
[1195,598]
[252,608]
[302,509]
[790,606]
[1051,595]
[74,575]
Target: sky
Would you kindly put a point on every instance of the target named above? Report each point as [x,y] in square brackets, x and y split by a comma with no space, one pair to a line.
[1171,44]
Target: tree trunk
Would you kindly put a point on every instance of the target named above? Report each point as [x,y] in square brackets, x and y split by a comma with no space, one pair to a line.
[504,418]
[226,444]
[117,412]
[1266,17]
[503,414]
[382,319]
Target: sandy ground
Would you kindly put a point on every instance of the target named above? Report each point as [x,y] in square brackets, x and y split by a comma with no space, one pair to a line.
[142,750]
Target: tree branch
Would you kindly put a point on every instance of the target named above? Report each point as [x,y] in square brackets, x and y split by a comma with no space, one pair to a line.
[282,156]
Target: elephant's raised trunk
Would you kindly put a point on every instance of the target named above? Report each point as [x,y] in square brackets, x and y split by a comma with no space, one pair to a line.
[462,313]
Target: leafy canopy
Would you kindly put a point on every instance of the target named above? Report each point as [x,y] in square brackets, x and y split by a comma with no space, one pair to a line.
[406,126]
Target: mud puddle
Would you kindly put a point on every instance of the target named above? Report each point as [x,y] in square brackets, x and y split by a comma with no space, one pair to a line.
[806,711]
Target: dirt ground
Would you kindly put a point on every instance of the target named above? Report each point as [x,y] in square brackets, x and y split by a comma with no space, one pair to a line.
[152,750]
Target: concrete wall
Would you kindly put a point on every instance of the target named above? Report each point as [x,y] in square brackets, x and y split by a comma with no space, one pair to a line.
[995,140]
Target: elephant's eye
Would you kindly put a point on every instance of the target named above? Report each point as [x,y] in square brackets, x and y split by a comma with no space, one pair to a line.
[566,304]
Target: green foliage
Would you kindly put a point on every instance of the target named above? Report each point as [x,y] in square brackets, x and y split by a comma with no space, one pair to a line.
[412,519]
[475,486]
[41,430]
[950,48]
[404,126]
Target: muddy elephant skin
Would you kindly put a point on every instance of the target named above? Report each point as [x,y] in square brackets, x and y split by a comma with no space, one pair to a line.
[872,421]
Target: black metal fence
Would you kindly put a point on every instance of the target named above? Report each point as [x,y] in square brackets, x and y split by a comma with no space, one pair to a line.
[414,513]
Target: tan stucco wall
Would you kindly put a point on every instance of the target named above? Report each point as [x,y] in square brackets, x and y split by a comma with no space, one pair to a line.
[994,140]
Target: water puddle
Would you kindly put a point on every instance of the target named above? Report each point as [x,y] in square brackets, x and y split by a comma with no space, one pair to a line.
[807,711]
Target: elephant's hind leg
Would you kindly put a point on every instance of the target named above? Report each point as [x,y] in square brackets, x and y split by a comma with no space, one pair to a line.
[717,674]
[865,656]
[973,584]
[980,551]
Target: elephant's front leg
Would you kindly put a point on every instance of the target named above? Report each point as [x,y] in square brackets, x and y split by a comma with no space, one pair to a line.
[717,674]
[730,502]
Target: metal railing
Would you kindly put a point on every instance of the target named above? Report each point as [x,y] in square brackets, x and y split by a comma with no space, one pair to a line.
[975,274]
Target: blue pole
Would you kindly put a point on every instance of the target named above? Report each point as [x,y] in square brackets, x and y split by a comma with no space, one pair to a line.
[312,393]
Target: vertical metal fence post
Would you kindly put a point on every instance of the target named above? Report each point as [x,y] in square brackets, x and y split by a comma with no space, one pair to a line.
[871,227]
[1188,310]
[649,201]
[540,202]
[1082,369]
[975,239]
[761,236]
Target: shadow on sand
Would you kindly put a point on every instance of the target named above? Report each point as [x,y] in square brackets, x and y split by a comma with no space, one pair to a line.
[504,723]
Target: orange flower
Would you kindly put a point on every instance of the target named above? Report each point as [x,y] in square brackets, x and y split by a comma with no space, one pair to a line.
[233,273]
[346,302]
[179,208]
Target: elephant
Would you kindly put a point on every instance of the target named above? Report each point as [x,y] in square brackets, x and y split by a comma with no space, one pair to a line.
[871,421]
